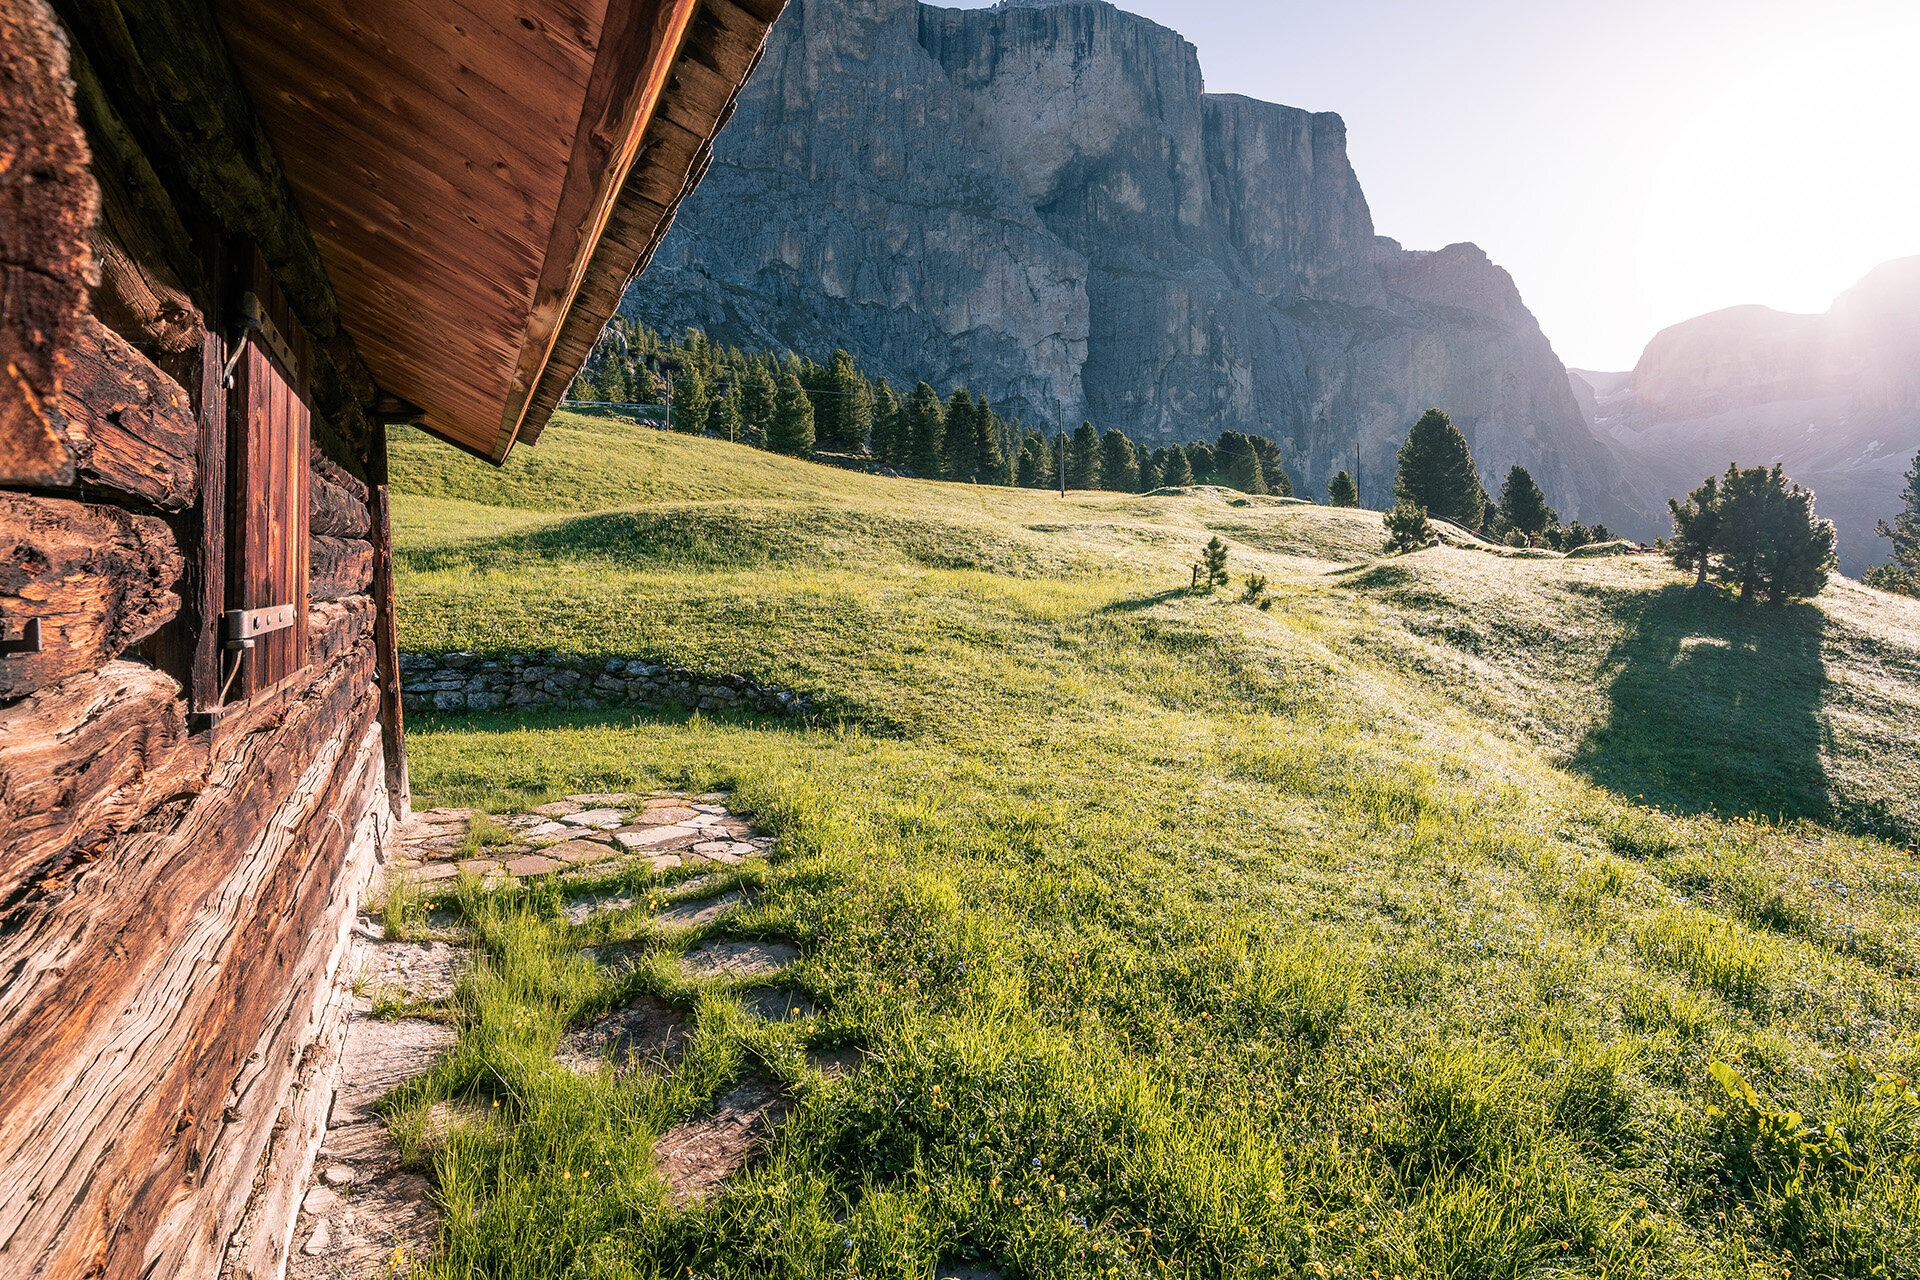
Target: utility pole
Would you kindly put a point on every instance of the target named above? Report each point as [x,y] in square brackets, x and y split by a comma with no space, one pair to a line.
[669,401]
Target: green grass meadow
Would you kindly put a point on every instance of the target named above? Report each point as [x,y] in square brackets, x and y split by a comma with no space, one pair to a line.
[1455,916]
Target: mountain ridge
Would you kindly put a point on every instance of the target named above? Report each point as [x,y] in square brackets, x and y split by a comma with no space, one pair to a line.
[1043,203]
[1834,397]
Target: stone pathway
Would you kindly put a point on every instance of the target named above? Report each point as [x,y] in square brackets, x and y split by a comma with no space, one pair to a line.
[363,1216]
[665,830]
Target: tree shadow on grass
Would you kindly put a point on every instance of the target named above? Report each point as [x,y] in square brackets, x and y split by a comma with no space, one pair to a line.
[1715,708]
[1138,604]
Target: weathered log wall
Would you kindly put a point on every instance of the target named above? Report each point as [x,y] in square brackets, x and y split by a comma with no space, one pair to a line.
[178,872]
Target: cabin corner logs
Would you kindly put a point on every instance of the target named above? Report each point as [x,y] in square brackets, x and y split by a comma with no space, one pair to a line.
[185,830]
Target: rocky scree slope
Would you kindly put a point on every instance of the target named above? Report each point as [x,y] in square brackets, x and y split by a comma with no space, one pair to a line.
[1835,398]
[1042,202]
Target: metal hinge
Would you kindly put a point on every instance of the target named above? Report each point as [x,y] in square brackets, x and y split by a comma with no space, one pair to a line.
[255,314]
[244,626]
[29,641]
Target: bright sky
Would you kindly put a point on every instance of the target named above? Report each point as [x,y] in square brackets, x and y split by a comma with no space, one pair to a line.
[1633,163]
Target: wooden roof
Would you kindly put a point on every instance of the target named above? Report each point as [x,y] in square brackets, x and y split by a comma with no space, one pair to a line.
[483,177]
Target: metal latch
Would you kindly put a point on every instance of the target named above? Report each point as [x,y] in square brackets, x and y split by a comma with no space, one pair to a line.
[29,641]
[244,626]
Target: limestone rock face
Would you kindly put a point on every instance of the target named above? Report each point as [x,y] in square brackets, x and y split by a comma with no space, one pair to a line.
[1834,398]
[1040,201]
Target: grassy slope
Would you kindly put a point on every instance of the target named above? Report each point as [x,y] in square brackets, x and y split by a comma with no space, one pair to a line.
[1187,938]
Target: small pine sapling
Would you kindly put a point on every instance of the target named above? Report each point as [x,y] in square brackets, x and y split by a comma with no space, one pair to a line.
[1407,528]
[1212,568]
[1255,592]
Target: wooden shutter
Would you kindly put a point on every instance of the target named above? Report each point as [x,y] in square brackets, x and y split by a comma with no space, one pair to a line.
[267,484]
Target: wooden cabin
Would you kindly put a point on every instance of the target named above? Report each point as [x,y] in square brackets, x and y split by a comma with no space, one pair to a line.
[238,240]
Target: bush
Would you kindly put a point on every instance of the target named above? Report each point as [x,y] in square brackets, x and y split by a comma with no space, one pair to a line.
[1342,491]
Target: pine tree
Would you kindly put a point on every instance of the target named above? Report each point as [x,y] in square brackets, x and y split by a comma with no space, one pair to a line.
[723,416]
[885,430]
[817,381]
[1238,464]
[1407,527]
[1175,471]
[1799,553]
[1901,572]
[756,394]
[1523,506]
[837,403]
[690,402]
[1213,563]
[791,431]
[1273,472]
[1119,470]
[1083,458]
[1696,529]
[1149,469]
[1437,472]
[1342,491]
[992,464]
[963,459]
[1203,463]
[926,444]
[1768,540]
[1036,462]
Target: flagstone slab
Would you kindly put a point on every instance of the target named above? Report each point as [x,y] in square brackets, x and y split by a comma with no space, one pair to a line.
[654,817]
[653,837]
[534,865]
[739,959]
[559,808]
[579,851]
[691,915]
[603,799]
[595,818]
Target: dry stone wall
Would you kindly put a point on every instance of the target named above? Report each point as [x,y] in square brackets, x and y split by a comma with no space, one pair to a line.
[454,682]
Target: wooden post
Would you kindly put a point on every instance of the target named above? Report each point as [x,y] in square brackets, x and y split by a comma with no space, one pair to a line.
[208,583]
[386,642]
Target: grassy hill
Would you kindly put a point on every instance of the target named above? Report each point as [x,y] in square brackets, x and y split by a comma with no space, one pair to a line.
[1395,929]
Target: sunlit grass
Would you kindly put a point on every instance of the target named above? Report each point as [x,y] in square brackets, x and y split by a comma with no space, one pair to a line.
[1182,938]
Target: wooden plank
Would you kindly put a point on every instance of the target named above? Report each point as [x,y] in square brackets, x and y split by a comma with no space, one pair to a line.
[639,41]
[174,84]
[98,579]
[47,203]
[208,586]
[260,1246]
[128,426]
[300,941]
[135,988]
[336,626]
[153,287]
[338,501]
[269,468]
[726,39]
[79,762]
[386,640]
[340,567]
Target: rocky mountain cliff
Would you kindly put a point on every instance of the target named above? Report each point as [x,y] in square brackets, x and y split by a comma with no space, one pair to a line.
[1835,398]
[1042,202]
